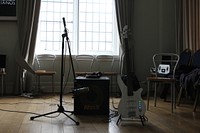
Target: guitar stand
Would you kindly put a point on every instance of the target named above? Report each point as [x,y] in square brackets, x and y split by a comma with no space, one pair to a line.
[142,118]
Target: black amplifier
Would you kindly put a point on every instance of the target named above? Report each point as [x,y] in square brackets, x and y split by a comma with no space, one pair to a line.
[96,100]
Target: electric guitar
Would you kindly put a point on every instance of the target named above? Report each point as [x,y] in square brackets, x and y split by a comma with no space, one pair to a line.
[131,104]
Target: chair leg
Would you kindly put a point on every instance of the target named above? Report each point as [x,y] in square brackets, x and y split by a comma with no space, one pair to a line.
[38,83]
[173,99]
[53,84]
[196,100]
[174,89]
[148,85]
[155,95]
[179,96]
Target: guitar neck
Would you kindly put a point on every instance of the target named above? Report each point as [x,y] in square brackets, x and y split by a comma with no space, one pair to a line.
[128,68]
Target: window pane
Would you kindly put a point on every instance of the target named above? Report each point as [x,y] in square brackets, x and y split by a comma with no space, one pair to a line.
[89,25]
[57,27]
[57,6]
[109,27]
[102,27]
[43,26]
[96,37]
[82,7]
[43,36]
[96,7]
[89,17]
[57,36]
[50,6]
[88,36]
[96,17]
[57,16]
[96,27]
[50,16]
[82,27]
[49,26]
[102,18]
[43,16]
[89,46]
[82,46]
[89,7]
[49,36]
[82,17]
[108,37]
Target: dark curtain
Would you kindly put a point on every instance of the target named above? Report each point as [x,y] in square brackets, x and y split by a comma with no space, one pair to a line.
[27,19]
[124,15]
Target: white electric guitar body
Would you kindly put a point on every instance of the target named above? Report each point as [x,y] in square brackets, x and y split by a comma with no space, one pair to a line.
[130,106]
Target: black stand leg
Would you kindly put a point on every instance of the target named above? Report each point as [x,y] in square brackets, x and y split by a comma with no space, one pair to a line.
[60,107]
[142,119]
[60,110]
[118,119]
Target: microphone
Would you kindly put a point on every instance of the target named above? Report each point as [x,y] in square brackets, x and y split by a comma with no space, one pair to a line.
[80,90]
[64,21]
[65,29]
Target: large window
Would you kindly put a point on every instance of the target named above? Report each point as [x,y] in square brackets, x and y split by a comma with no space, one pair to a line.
[91,26]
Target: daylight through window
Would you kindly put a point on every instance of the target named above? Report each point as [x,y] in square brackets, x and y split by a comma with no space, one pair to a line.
[91,24]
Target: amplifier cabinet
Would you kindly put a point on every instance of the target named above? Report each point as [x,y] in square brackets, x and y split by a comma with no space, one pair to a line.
[96,100]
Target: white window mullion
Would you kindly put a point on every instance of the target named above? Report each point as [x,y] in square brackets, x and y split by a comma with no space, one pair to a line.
[76,27]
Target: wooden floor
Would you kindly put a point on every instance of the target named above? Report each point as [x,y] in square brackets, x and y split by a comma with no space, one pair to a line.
[160,118]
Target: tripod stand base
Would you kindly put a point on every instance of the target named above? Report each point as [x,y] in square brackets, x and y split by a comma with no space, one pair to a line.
[60,110]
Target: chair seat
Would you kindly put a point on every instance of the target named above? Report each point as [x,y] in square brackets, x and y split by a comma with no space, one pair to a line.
[44,72]
[161,79]
[103,73]
[40,73]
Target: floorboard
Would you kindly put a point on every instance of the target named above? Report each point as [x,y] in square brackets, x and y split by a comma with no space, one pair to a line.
[15,113]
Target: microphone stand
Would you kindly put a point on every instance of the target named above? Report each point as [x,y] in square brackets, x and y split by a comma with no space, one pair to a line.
[60,107]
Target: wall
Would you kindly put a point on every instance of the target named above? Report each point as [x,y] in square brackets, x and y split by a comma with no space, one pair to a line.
[154,31]
[8,41]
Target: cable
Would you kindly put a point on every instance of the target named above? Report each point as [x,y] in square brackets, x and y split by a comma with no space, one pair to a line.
[26,112]
[113,114]
[26,103]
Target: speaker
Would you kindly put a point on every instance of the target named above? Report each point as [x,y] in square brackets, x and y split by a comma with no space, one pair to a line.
[96,100]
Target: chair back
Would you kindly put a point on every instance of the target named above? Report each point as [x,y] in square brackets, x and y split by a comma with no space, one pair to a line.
[195,59]
[45,61]
[165,64]
[103,63]
[84,63]
[185,57]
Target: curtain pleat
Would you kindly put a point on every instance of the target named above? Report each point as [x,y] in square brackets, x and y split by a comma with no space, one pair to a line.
[188,24]
[27,19]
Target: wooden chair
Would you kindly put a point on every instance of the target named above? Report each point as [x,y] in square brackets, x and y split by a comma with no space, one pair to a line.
[103,63]
[165,66]
[45,68]
[84,63]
